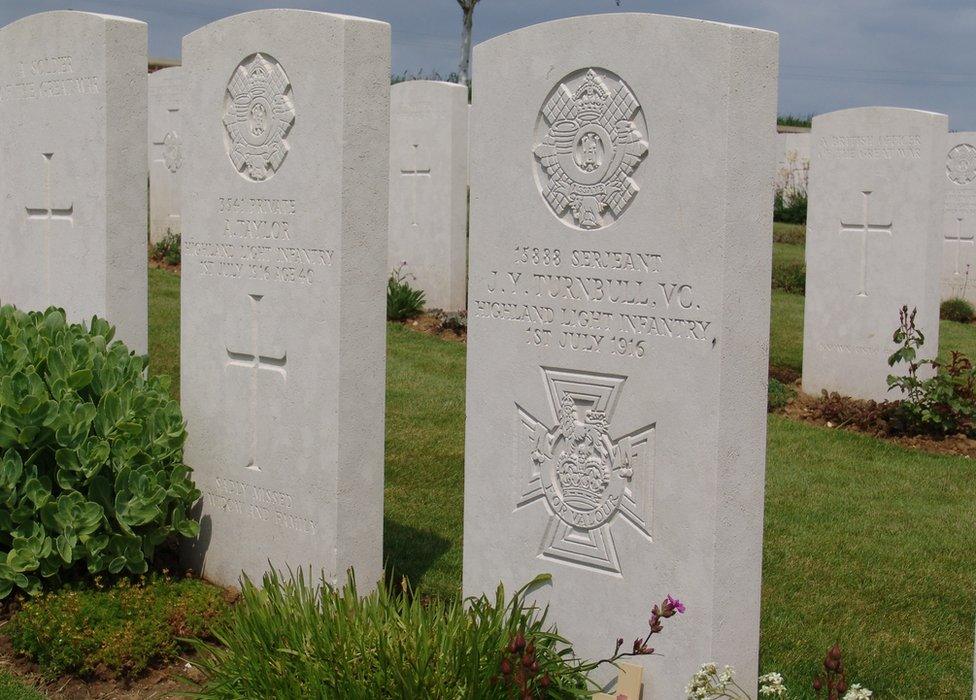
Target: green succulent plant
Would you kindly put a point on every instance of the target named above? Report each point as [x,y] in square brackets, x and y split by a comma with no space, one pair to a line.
[91,454]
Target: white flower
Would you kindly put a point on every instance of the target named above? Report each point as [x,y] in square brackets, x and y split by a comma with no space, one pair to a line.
[771,685]
[856,692]
[728,673]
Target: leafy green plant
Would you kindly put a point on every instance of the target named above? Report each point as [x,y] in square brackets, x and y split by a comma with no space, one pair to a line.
[167,249]
[291,638]
[958,310]
[789,233]
[943,404]
[294,639]
[115,631]
[402,300]
[790,277]
[790,206]
[91,454]
[779,395]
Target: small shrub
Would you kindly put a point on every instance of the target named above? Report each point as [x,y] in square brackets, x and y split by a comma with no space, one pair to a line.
[945,403]
[790,207]
[790,277]
[117,631]
[402,300]
[958,310]
[779,395]
[91,454]
[167,249]
[454,321]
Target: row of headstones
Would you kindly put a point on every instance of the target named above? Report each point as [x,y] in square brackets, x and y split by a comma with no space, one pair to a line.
[957,196]
[428,180]
[619,266]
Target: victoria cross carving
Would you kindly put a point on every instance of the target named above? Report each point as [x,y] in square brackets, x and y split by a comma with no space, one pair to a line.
[258,114]
[585,477]
[961,164]
[590,141]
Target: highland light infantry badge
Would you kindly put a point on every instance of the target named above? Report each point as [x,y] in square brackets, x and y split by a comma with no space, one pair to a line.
[258,114]
[584,476]
[594,143]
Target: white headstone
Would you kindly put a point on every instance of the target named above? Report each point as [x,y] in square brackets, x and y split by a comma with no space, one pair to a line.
[429,188]
[959,222]
[284,273]
[618,333]
[165,152]
[73,168]
[874,243]
[793,161]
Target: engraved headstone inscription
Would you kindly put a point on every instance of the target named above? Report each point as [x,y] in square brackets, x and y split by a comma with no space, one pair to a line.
[617,353]
[959,220]
[286,136]
[73,168]
[874,243]
[165,152]
[429,187]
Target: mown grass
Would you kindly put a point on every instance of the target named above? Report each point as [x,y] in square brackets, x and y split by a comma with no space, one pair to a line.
[12,689]
[866,544]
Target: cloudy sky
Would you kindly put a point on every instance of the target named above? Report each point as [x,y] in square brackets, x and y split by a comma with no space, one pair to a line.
[834,53]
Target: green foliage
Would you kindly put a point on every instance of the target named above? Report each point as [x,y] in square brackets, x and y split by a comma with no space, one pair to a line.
[790,208]
[402,300]
[91,470]
[958,310]
[167,249]
[945,403]
[804,120]
[116,631]
[790,277]
[293,639]
[12,689]
[779,395]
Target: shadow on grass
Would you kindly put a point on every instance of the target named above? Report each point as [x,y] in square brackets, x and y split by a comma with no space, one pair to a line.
[409,552]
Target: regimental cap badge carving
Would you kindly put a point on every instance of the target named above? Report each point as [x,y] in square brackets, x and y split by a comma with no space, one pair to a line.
[258,114]
[961,164]
[172,151]
[585,477]
[590,141]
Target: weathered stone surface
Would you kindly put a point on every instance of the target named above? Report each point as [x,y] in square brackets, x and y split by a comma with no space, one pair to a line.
[619,324]
[284,269]
[874,243]
[165,152]
[959,220]
[429,188]
[73,168]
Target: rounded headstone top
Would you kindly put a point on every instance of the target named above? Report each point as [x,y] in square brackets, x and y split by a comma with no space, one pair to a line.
[72,15]
[266,15]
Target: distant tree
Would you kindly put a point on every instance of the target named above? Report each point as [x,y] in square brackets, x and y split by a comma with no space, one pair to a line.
[467,22]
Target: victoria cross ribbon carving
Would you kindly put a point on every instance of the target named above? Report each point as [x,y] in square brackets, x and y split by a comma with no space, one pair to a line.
[585,477]
[593,143]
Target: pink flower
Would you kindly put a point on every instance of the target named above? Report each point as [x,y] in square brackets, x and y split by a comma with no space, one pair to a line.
[676,604]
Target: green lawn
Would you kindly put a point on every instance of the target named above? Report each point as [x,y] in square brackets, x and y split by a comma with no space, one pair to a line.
[867,544]
[788,253]
[11,689]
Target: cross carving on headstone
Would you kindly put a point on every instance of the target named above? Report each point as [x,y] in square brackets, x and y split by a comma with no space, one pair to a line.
[415,172]
[49,213]
[864,229]
[629,683]
[960,240]
[255,362]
